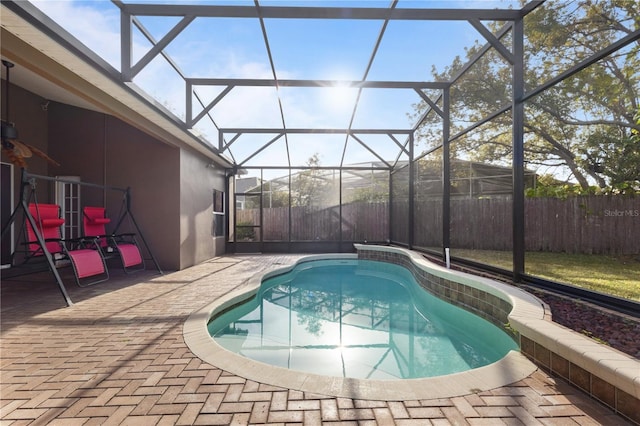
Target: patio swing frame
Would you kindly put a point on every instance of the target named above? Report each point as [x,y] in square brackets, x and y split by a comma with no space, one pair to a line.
[27,192]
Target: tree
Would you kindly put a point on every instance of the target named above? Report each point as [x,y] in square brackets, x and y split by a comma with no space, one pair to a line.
[377,192]
[370,186]
[311,187]
[615,156]
[273,196]
[585,124]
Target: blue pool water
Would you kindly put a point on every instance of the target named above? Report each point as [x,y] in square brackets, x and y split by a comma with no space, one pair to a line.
[359,319]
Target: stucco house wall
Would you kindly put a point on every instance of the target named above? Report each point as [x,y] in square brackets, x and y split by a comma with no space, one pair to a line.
[198,179]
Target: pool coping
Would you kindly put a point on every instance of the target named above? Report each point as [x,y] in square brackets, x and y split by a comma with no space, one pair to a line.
[511,368]
[604,373]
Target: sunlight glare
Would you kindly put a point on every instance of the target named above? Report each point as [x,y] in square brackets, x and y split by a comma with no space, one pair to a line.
[340,97]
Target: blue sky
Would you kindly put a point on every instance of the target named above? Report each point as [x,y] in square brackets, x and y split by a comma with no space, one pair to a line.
[310,49]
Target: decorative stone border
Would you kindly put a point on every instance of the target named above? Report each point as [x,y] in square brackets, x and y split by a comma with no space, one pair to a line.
[481,300]
[512,368]
[606,374]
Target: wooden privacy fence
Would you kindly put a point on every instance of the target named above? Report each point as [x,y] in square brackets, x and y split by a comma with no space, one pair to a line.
[360,222]
[594,224]
[585,224]
[588,224]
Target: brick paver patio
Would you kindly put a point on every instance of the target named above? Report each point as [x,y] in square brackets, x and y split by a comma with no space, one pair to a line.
[117,356]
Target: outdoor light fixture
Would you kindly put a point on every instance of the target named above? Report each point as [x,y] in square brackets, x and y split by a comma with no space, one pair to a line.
[9,130]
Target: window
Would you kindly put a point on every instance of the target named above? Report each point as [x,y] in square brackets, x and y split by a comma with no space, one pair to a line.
[218,213]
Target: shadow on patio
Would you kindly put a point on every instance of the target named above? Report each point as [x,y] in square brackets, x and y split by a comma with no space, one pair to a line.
[117,356]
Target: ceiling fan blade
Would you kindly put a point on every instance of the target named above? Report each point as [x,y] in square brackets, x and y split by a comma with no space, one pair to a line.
[41,154]
[21,149]
[15,159]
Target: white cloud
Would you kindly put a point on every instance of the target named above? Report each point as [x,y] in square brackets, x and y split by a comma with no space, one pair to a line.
[96,24]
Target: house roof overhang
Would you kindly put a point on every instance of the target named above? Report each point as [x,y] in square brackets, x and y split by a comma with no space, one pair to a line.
[46,57]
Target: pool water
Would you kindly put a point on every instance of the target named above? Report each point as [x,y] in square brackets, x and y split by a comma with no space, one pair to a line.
[358,319]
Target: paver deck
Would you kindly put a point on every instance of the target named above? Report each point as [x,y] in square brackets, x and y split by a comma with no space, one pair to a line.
[117,356]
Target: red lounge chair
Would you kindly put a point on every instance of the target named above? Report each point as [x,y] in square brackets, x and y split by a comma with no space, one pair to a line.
[125,245]
[47,218]
[84,254]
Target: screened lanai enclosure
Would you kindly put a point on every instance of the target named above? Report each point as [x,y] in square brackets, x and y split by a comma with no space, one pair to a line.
[477,132]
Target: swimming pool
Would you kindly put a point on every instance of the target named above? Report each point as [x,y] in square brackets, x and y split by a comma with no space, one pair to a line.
[489,299]
[357,319]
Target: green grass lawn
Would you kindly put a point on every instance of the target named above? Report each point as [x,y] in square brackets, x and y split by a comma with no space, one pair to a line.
[617,275]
